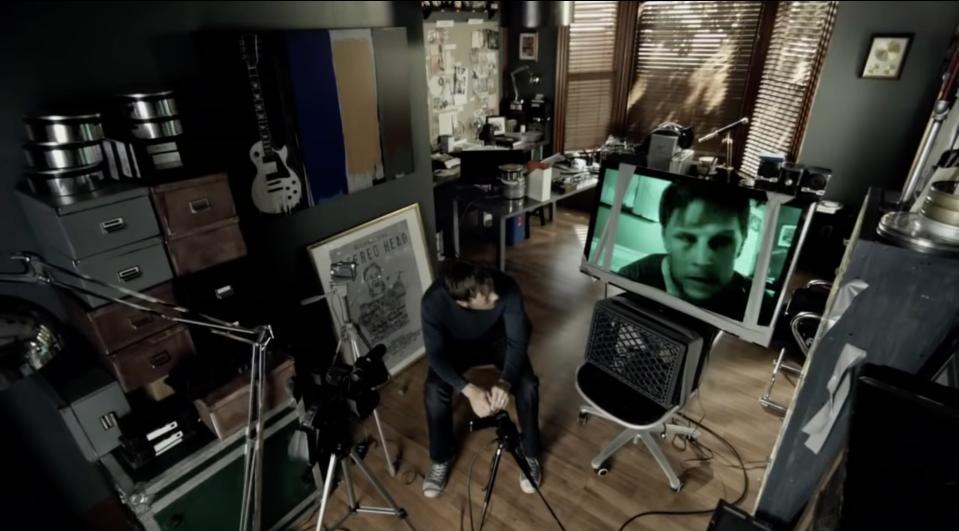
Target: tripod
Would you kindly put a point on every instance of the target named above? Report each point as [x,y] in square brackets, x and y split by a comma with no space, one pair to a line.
[348,334]
[507,438]
[339,456]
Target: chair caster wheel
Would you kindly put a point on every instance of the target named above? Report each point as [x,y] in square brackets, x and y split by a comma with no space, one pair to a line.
[583,418]
[603,469]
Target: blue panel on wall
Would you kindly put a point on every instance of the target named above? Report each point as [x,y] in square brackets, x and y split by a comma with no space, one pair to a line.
[318,112]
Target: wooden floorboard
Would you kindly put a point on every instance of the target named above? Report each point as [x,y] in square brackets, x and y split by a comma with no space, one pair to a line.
[559,300]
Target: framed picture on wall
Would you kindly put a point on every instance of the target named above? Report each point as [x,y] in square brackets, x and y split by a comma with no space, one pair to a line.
[887,55]
[528,47]
[392,273]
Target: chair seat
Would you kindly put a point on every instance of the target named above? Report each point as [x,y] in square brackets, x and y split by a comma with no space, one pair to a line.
[616,398]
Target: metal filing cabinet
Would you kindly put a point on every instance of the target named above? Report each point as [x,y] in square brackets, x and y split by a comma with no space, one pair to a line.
[111,235]
[89,224]
[94,405]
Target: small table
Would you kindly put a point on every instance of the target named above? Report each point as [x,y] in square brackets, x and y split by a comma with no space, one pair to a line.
[503,210]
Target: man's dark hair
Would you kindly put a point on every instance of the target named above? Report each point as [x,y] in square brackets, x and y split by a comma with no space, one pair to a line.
[464,280]
[678,196]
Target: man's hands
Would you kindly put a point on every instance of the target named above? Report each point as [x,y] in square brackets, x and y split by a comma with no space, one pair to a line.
[479,400]
[499,396]
[486,402]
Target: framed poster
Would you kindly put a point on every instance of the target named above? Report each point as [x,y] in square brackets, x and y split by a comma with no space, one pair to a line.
[392,273]
[528,47]
[887,53]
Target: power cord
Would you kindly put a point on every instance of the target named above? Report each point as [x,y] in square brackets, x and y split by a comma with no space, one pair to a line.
[742,466]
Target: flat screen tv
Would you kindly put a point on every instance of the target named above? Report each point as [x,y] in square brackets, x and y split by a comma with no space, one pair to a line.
[720,253]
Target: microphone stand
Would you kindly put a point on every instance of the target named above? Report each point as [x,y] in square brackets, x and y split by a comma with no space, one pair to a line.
[37,271]
[727,139]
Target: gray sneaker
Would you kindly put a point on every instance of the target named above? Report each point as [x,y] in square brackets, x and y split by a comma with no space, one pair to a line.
[435,480]
[536,471]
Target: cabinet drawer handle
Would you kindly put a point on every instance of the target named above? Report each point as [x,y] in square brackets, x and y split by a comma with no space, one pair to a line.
[130,273]
[160,359]
[140,322]
[113,225]
[200,205]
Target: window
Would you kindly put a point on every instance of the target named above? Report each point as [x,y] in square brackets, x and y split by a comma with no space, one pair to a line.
[590,75]
[691,65]
[800,35]
[625,67]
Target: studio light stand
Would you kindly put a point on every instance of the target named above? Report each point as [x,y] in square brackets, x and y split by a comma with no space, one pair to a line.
[727,139]
[341,273]
[37,271]
[507,439]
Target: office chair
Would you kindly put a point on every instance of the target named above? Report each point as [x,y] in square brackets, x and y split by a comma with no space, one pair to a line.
[795,331]
[641,368]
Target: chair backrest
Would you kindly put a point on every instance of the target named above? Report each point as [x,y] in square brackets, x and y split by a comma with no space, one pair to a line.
[652,354]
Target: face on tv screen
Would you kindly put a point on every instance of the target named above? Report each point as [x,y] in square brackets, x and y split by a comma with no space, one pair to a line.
[695,240]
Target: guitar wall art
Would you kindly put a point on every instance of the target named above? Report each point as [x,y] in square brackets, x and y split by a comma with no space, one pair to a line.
[330,113]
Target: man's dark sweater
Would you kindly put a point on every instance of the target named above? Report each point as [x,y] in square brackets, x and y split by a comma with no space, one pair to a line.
[447,326]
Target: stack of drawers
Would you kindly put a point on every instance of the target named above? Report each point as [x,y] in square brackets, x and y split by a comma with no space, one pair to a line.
[199,223]
[112,235]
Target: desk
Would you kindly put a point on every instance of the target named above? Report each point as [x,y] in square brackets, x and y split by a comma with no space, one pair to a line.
[503,210]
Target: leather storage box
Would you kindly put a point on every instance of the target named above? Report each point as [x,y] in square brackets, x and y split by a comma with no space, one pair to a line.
[136,266]
[84,225]
[150,359]
[226,410]
[186,206]
[215,244]
[115,326]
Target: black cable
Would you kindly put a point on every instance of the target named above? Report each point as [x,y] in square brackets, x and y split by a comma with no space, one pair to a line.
[742,495]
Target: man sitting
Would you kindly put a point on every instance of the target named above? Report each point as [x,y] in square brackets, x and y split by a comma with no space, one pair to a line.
[475,316]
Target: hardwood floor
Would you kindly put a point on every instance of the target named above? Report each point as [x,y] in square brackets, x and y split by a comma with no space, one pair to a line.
[559,300]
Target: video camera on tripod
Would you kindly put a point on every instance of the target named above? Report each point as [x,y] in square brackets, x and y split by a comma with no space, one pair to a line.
[333,398]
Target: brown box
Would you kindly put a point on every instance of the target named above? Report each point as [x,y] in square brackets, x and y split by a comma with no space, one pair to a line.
[216,244]
[186,206]
[115,326]
[150,359]
[226,410]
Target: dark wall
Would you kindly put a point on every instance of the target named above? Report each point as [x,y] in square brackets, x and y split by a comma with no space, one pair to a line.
[63,52]
[868,130]
[545,66]
[91,50]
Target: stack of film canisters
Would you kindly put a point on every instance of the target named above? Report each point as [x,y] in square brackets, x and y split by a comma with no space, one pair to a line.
[64,154]
[146,137]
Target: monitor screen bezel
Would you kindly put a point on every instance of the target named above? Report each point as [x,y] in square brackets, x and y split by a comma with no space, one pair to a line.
[759,334]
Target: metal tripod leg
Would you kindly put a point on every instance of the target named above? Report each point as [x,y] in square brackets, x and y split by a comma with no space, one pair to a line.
[354,506]
[493,469]
[327,486]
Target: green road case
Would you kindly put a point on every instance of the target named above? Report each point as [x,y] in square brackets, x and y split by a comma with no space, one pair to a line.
[203,492]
